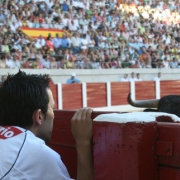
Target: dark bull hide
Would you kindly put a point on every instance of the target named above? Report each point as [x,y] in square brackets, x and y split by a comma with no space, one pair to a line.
[168,104]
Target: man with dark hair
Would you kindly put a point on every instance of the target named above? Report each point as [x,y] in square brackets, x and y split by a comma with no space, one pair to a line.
[132,78]
[26,122]
[158,77]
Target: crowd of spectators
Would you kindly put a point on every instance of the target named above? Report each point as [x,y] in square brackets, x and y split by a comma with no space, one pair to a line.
[105,34]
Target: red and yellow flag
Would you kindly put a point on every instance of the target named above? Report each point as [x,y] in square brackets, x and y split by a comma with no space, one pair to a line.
[36,32]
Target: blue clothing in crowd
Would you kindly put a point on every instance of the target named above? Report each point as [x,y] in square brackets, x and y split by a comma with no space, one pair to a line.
[64,42]
[71,81]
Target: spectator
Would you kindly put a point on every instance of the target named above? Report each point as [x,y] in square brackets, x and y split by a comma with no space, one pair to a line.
[132,78]
[50,44]
[75,43]
[166,63]
[64,42]
[158,77]
[107,26]
[73,79]
[173,64]
[84,43]
[46,62]
[57,42]
[65,6]
[124,78]
[138,77]
[41,41]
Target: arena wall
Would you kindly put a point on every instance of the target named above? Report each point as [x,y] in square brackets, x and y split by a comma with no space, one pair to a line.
[99,75]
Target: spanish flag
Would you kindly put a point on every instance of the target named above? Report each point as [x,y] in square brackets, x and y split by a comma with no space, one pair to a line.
[36,32]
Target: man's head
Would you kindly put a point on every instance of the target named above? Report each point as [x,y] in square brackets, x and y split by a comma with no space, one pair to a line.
[159,74]
[26,101]
[132,75]
[138,75]
[73,75]
[125,76]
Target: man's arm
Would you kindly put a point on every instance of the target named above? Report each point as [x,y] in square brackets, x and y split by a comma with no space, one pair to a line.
[81,127]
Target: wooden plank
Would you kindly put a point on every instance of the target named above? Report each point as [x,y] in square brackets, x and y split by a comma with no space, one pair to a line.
[119,93]
[170,87]
[72,96]
[145,90]
[96,95]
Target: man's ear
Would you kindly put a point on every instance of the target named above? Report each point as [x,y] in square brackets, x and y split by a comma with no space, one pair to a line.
[37,117]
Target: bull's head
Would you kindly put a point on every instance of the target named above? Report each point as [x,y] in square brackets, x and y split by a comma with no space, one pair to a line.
[168,104]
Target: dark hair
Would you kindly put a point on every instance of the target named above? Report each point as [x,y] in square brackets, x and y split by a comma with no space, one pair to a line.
[20,95]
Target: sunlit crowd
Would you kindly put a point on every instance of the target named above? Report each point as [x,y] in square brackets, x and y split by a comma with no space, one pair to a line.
[98,34]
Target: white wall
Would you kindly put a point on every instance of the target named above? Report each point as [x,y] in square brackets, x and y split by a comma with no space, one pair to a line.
[100,75]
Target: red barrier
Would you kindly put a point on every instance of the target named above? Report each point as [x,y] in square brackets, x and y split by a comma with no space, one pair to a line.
[96,95]
[130,151]
[72,96]
[125,151]
[62,141]
[145,90]
[119,93]
[169,87]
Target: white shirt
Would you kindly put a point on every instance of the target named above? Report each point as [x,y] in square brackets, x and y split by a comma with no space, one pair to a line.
[72,27]
[75,41]
[10,63]
[37,45]
[25,156]
[157,79]
[136,79]
[84,43]
[46,64]
[132,79]
[124,80]
[42,41]
[45,25]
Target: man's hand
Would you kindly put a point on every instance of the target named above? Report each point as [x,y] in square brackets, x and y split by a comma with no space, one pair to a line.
[81,127]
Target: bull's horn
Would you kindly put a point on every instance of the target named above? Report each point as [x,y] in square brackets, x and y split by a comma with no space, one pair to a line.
[153,103]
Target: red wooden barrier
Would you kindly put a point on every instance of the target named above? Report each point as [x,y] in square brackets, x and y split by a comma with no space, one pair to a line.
[130,151]
[125,151]
[72,96]
[119,93]
[145,90]
[96,95]
[62,140]
[169,87]
[168,151]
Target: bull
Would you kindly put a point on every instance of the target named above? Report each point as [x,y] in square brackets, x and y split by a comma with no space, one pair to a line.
[168,104]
